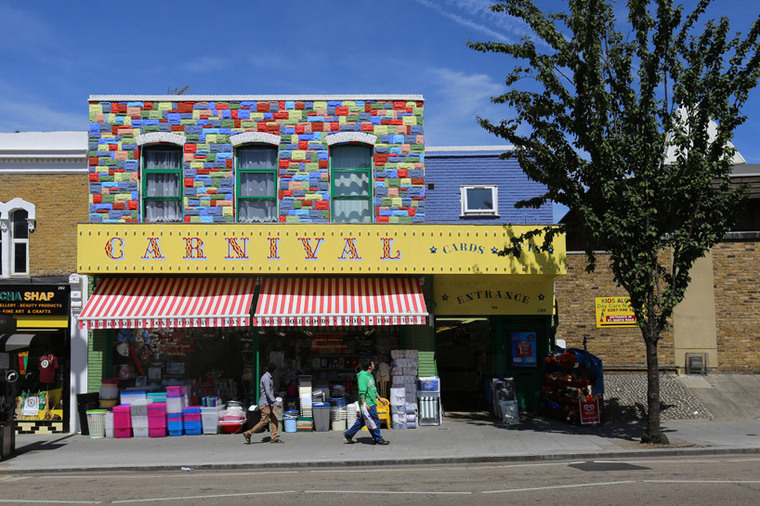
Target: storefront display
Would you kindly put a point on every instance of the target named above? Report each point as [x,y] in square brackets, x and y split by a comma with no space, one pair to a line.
[40,346]
[573,387]
[210,361]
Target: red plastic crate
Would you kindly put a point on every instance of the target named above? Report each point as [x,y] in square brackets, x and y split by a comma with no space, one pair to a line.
[157,431]
[122,433]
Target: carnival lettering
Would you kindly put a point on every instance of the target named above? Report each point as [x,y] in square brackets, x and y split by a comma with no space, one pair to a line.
[238,248]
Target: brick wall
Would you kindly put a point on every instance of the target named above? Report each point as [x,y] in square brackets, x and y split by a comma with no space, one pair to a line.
[303,155]
[617,347]
[449,170]
[737,306]
[61,203]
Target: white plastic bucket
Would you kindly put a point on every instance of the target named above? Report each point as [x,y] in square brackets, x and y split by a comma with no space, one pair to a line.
[96,423]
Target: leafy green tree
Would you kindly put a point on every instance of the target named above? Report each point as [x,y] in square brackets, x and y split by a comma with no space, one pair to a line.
[596,102]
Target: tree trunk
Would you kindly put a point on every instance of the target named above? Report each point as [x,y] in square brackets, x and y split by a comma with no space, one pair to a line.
[653,433]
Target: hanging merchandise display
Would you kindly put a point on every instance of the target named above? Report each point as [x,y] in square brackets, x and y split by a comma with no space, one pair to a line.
[573,387]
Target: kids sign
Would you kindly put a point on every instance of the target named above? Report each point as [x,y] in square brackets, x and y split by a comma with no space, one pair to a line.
[317,249]
[614,312]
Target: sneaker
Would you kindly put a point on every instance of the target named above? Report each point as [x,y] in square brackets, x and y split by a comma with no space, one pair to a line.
[382,442]
[247,438]
[348,438]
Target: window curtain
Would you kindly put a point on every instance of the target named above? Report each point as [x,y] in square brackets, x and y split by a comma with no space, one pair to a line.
[352,211]
[257,211]
[351,184]
[257,157]
[256,184]
[163,158]
[163,211]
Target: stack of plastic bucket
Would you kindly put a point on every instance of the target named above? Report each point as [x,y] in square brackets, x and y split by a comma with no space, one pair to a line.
[338,413]
[175,399]
[108,422]
[157,419]
[191,421]
[290,419]
[139,409]
[122,421]
[174,424]
[321,412]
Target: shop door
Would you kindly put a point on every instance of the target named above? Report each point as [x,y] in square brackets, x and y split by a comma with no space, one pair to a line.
[462,346]
[519,346]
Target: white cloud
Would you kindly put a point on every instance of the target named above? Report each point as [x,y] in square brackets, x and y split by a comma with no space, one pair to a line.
[33,116]
[455,99]
[476,15]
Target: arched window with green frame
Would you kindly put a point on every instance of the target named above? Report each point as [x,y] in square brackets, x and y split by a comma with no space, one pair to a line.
[256,183]
[351,177]
[162,183]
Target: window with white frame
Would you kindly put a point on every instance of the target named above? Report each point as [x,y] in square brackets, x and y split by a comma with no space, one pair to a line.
[17,220]
[162,183]
[480,200]
[19,243]
[256,178]
[351,175]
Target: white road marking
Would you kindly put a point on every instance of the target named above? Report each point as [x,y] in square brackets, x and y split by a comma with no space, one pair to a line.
[39,501]
[385,492]
[143,476]
[703,481]
[578,485]
[213,496]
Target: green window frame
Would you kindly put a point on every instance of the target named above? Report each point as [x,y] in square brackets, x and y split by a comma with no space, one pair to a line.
[351,183]
[162,183]
[256,183]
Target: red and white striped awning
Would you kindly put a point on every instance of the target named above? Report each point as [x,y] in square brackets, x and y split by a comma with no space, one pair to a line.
[328,302]
[155,302]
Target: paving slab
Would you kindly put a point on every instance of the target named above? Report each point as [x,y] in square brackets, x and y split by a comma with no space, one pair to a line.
[458,439]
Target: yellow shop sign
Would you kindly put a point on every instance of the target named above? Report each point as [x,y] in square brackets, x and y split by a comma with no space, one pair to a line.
[319,249]
[614,312]
[484,295]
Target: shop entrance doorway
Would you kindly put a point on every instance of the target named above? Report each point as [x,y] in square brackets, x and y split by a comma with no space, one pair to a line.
[463,360]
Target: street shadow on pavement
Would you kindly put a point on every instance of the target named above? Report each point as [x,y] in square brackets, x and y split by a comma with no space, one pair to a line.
[36,446]
[629,427]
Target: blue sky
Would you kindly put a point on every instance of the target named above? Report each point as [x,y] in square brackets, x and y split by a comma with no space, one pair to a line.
[55,54]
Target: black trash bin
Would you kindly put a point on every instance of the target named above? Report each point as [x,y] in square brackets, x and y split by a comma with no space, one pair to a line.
[84,403]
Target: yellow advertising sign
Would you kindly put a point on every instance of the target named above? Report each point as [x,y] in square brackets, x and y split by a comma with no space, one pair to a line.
[483,295]
[614,312]
[315,249]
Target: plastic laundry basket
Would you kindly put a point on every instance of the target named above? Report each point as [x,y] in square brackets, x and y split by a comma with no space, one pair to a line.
[96,422]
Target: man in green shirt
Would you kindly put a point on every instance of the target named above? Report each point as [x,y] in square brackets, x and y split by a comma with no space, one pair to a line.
[368,399]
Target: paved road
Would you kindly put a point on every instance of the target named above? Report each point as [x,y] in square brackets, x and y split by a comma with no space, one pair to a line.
[701,480]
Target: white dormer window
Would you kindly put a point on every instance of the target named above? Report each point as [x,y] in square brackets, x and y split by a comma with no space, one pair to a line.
[480,200]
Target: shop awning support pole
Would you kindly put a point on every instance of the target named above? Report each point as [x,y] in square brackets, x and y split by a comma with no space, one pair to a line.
[256,371]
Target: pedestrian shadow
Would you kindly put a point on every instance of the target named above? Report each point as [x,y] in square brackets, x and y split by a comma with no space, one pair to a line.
[37,445]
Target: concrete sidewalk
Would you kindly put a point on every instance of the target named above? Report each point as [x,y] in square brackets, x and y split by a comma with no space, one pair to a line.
[462,438]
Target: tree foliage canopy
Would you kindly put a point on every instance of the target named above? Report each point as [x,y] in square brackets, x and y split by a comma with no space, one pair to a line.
[596,103]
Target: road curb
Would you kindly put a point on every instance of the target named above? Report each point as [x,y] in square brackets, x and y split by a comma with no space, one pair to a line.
[506,459]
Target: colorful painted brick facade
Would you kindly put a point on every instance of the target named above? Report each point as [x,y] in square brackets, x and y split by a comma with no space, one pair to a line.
[304,126]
